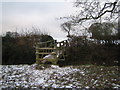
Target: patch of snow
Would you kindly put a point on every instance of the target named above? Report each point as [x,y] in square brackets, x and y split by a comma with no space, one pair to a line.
[87,87]
[95,82]
[68,87]
[49,57]
[55,67]
[28,76]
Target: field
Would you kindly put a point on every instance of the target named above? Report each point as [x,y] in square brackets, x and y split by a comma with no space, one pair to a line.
[32,77]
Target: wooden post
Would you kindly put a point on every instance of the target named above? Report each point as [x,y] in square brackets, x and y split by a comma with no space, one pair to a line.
[37,55]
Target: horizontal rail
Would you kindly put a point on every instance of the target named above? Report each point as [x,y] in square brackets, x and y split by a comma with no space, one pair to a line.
[47,48]
[46,53]
[52,41]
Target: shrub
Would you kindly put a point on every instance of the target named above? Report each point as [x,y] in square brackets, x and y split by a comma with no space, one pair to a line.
[20,49]
[82,51]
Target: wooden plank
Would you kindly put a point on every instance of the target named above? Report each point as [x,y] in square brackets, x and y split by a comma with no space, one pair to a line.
[46,53]
[43,53]
[47,48]
[51,41]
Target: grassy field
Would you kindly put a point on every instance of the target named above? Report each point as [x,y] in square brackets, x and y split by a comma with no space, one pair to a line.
[53,76]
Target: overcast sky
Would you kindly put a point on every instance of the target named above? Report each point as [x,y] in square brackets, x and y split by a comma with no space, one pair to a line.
[42,15]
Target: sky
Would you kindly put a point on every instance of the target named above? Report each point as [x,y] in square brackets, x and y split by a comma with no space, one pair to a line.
[16,15]
[43,15]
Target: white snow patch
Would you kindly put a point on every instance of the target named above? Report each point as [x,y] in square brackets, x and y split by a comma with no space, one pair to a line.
[54,76]
[55,67]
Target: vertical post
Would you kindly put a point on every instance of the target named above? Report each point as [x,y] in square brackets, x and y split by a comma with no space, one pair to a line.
[55,43]
[55,50]
[37,55]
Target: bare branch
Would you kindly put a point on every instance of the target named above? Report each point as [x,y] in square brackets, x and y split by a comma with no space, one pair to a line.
[91,10]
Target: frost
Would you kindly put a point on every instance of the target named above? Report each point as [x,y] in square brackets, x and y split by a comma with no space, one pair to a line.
[68,87]
[55,67]
[27,76]
[87,87]
[95,82]
[39,80]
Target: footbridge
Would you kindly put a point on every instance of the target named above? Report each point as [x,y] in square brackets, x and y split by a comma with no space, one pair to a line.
[50,51]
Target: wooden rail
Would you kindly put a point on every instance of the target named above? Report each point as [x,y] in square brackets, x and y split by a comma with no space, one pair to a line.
[53,48]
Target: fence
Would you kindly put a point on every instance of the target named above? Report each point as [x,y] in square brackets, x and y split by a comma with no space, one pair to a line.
[53,49]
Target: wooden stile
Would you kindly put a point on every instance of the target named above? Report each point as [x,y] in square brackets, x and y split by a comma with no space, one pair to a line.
[50,48]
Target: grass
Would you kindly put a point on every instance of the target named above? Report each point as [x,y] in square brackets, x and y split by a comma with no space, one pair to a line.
[80,76]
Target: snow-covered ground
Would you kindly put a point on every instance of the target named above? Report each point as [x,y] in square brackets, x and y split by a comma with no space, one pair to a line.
[53,76]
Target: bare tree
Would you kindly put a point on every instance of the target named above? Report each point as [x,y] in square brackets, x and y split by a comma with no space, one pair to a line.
[94,10]
[67,28]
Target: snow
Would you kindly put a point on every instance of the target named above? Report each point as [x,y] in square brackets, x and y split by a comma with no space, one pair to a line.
[49,56]
[87,87]
[27,76]
[95,82]
[55,67]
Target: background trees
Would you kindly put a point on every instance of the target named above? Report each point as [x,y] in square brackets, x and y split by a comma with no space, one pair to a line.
[101,20]
[105,31]
[93,11]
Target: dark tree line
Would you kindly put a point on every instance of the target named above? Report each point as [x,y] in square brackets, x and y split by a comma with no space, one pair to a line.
[20,49]
[82,51]
[100,40]
[102,48]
